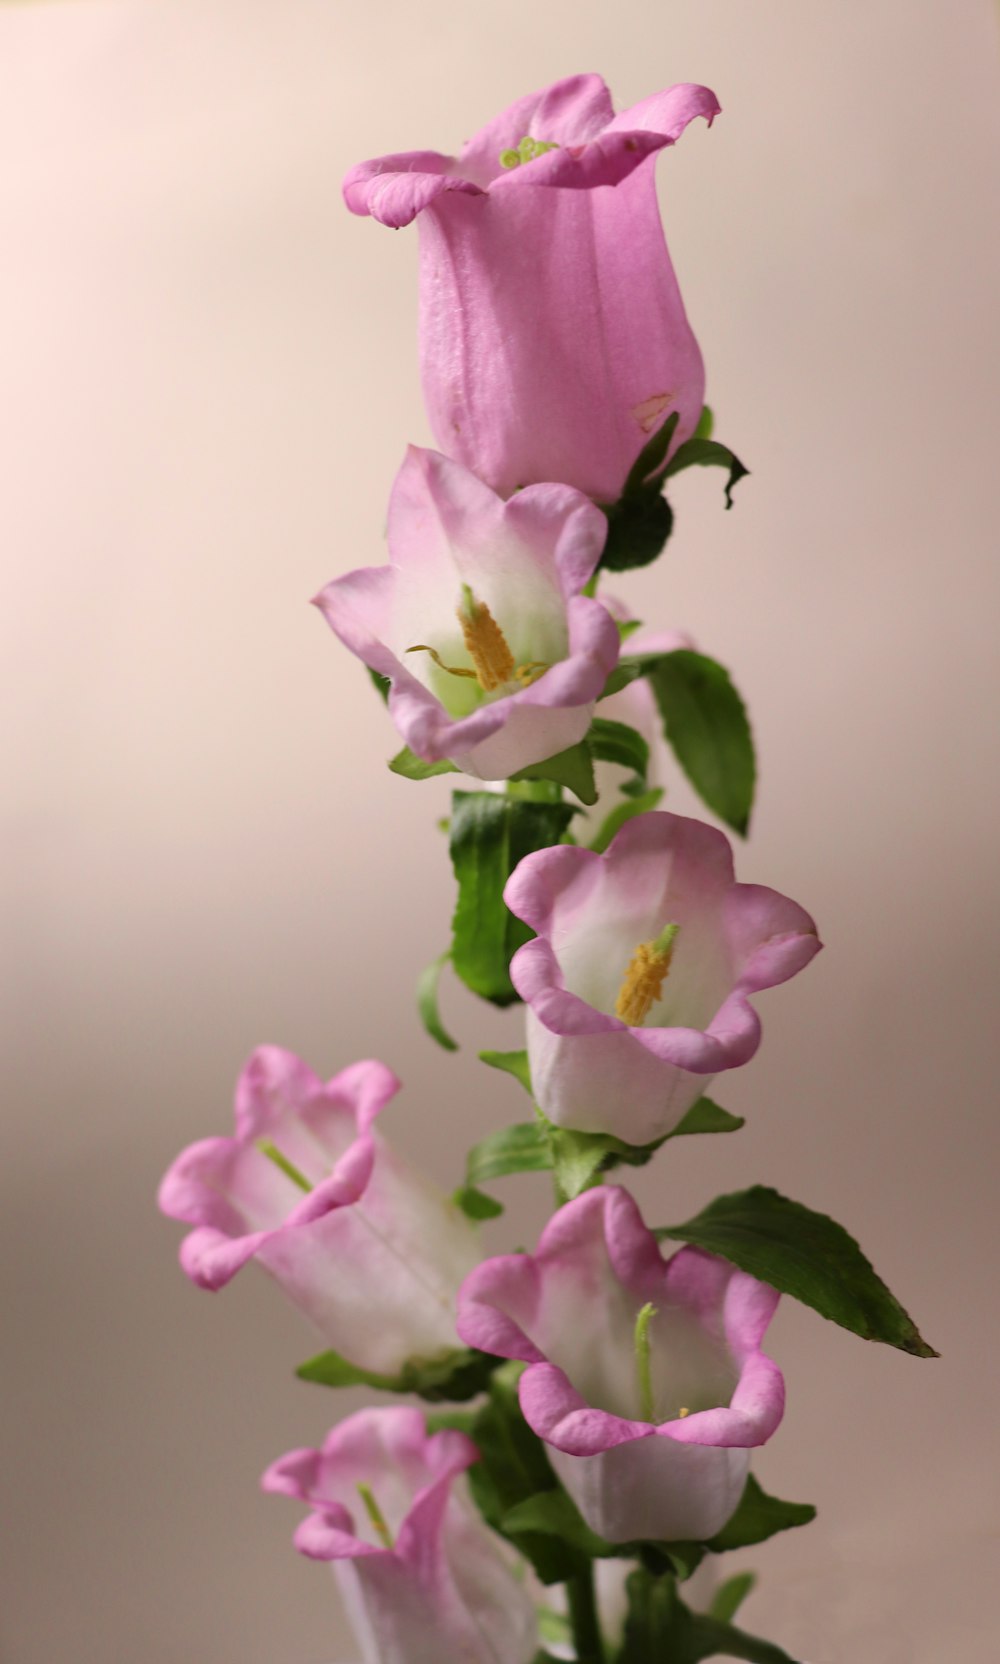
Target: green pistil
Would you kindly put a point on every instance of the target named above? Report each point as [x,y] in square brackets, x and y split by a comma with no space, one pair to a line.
[375,1514]
[287,1167]
[665,940]
[643,1365]
[526,151]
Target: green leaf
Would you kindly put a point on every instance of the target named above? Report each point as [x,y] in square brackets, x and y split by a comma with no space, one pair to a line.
[807,1255]
[519,1149]
[380,683]
[729,1597]
[553,1513]
[705,722]
[617,742]
[622,812]
[412,767]
[707,453]
[577,1158]
[705,1116]
[455,1421]
[427,1002]
[758,1517]
[475,1204]
[489,835]
[512,1063]
[573,768]
[513,1466]
[638,528]
[627,627]
[453,1376]
[659,1627]
[706,422]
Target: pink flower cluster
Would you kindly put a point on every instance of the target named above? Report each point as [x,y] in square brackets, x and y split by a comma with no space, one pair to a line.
[554,342]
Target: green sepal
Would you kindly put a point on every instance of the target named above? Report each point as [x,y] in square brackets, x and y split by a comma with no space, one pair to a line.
[580,1158]
[573,768]
[729,1596]
[638,529]
[706,423]
[706,1116]
[646,473]
[511,1063]
[553,1513]
[488,836]
[660,1626]
[452,1377]
[427,1002]
[759,1517]
[380,683]
[703,452]
[475,1204]
[412,767]
[806,1255]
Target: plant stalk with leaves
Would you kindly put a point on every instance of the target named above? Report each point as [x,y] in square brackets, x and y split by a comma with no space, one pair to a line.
[597,1403]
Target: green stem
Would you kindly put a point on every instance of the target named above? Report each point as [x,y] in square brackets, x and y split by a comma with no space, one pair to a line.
[588,1643]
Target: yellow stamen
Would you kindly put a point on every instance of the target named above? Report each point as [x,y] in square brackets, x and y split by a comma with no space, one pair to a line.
[485,642]
[645,977]
[528,673]
[682,1412]
[526,151]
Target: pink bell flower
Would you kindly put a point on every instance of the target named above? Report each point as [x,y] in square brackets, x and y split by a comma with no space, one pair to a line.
[495,658]
[553,337]
[423,1580]
[645,1376]
[357,1240]
[639,978]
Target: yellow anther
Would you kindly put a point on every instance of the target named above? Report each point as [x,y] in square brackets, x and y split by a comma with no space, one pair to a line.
[528,673]
[485,642]
[683,1411]
[645,977]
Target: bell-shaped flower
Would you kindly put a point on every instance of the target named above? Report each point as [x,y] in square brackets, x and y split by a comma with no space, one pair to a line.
[361,1243]
[495,658]
[423,1580]
[553,337]
[639,978]
[645,1376]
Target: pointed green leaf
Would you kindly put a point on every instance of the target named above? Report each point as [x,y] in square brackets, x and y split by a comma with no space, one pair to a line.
[553,1513]
[519,1149]
[659,1627]
[427,1002]
[729,1596]
[705,1116]
[707,453]
[622,812]
[617,742]
[758,1517]
[412,767]
[650,459]
[475,1204]
[489,835]
[573,768]
[807,1255]
[706,422]
[512,1063]
[453,1376]
[705,722]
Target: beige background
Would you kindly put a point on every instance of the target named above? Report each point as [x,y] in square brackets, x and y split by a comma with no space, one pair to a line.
[208,377]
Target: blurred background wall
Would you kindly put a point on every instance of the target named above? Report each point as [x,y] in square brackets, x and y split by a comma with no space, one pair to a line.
[207,378]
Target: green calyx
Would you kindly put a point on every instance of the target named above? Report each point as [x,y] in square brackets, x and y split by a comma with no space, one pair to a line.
[526,151]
